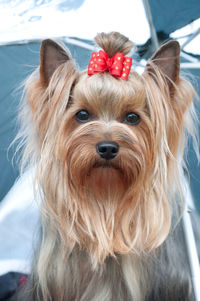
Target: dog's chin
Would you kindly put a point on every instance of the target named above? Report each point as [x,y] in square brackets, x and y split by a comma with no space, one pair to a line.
[106,180]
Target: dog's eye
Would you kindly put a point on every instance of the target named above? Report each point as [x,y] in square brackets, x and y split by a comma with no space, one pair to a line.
[131,118]
[83,116]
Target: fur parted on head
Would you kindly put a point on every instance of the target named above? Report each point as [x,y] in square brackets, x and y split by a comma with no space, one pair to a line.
[106,207]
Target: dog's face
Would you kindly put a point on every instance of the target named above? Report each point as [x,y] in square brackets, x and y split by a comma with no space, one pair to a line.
[107,150]
[105,138]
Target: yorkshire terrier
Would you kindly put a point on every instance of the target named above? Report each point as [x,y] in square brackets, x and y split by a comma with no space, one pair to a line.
[108,145]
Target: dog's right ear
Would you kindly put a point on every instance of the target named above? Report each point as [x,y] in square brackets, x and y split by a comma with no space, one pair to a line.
[167,60]
[52,55]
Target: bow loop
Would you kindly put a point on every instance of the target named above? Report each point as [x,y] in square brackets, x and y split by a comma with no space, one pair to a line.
[118,65]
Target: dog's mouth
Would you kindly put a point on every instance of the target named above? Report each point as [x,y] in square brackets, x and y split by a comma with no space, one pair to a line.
[102,165]
[107,165]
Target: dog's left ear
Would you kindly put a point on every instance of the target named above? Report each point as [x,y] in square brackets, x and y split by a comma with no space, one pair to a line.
[167,60]
[52,55]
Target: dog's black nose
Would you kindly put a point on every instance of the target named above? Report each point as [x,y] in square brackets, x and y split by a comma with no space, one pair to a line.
[107,149]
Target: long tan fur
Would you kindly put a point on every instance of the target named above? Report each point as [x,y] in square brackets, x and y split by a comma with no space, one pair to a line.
[104,217]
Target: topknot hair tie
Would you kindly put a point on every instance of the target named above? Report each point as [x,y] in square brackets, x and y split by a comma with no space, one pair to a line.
[119,65]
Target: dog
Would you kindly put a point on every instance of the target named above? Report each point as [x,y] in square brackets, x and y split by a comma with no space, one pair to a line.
[108,146]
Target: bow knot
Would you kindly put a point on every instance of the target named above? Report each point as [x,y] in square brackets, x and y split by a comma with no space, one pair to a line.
[109,63]
[119,65]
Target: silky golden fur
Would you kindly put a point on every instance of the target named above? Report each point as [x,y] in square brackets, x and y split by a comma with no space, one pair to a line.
[124,209]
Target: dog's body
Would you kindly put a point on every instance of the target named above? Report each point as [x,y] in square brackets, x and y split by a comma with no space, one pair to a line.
[109,155]
[163,276]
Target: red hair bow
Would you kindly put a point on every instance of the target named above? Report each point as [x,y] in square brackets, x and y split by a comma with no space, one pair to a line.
[119,65]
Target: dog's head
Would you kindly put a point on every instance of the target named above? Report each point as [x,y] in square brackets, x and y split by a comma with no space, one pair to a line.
[109,148]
